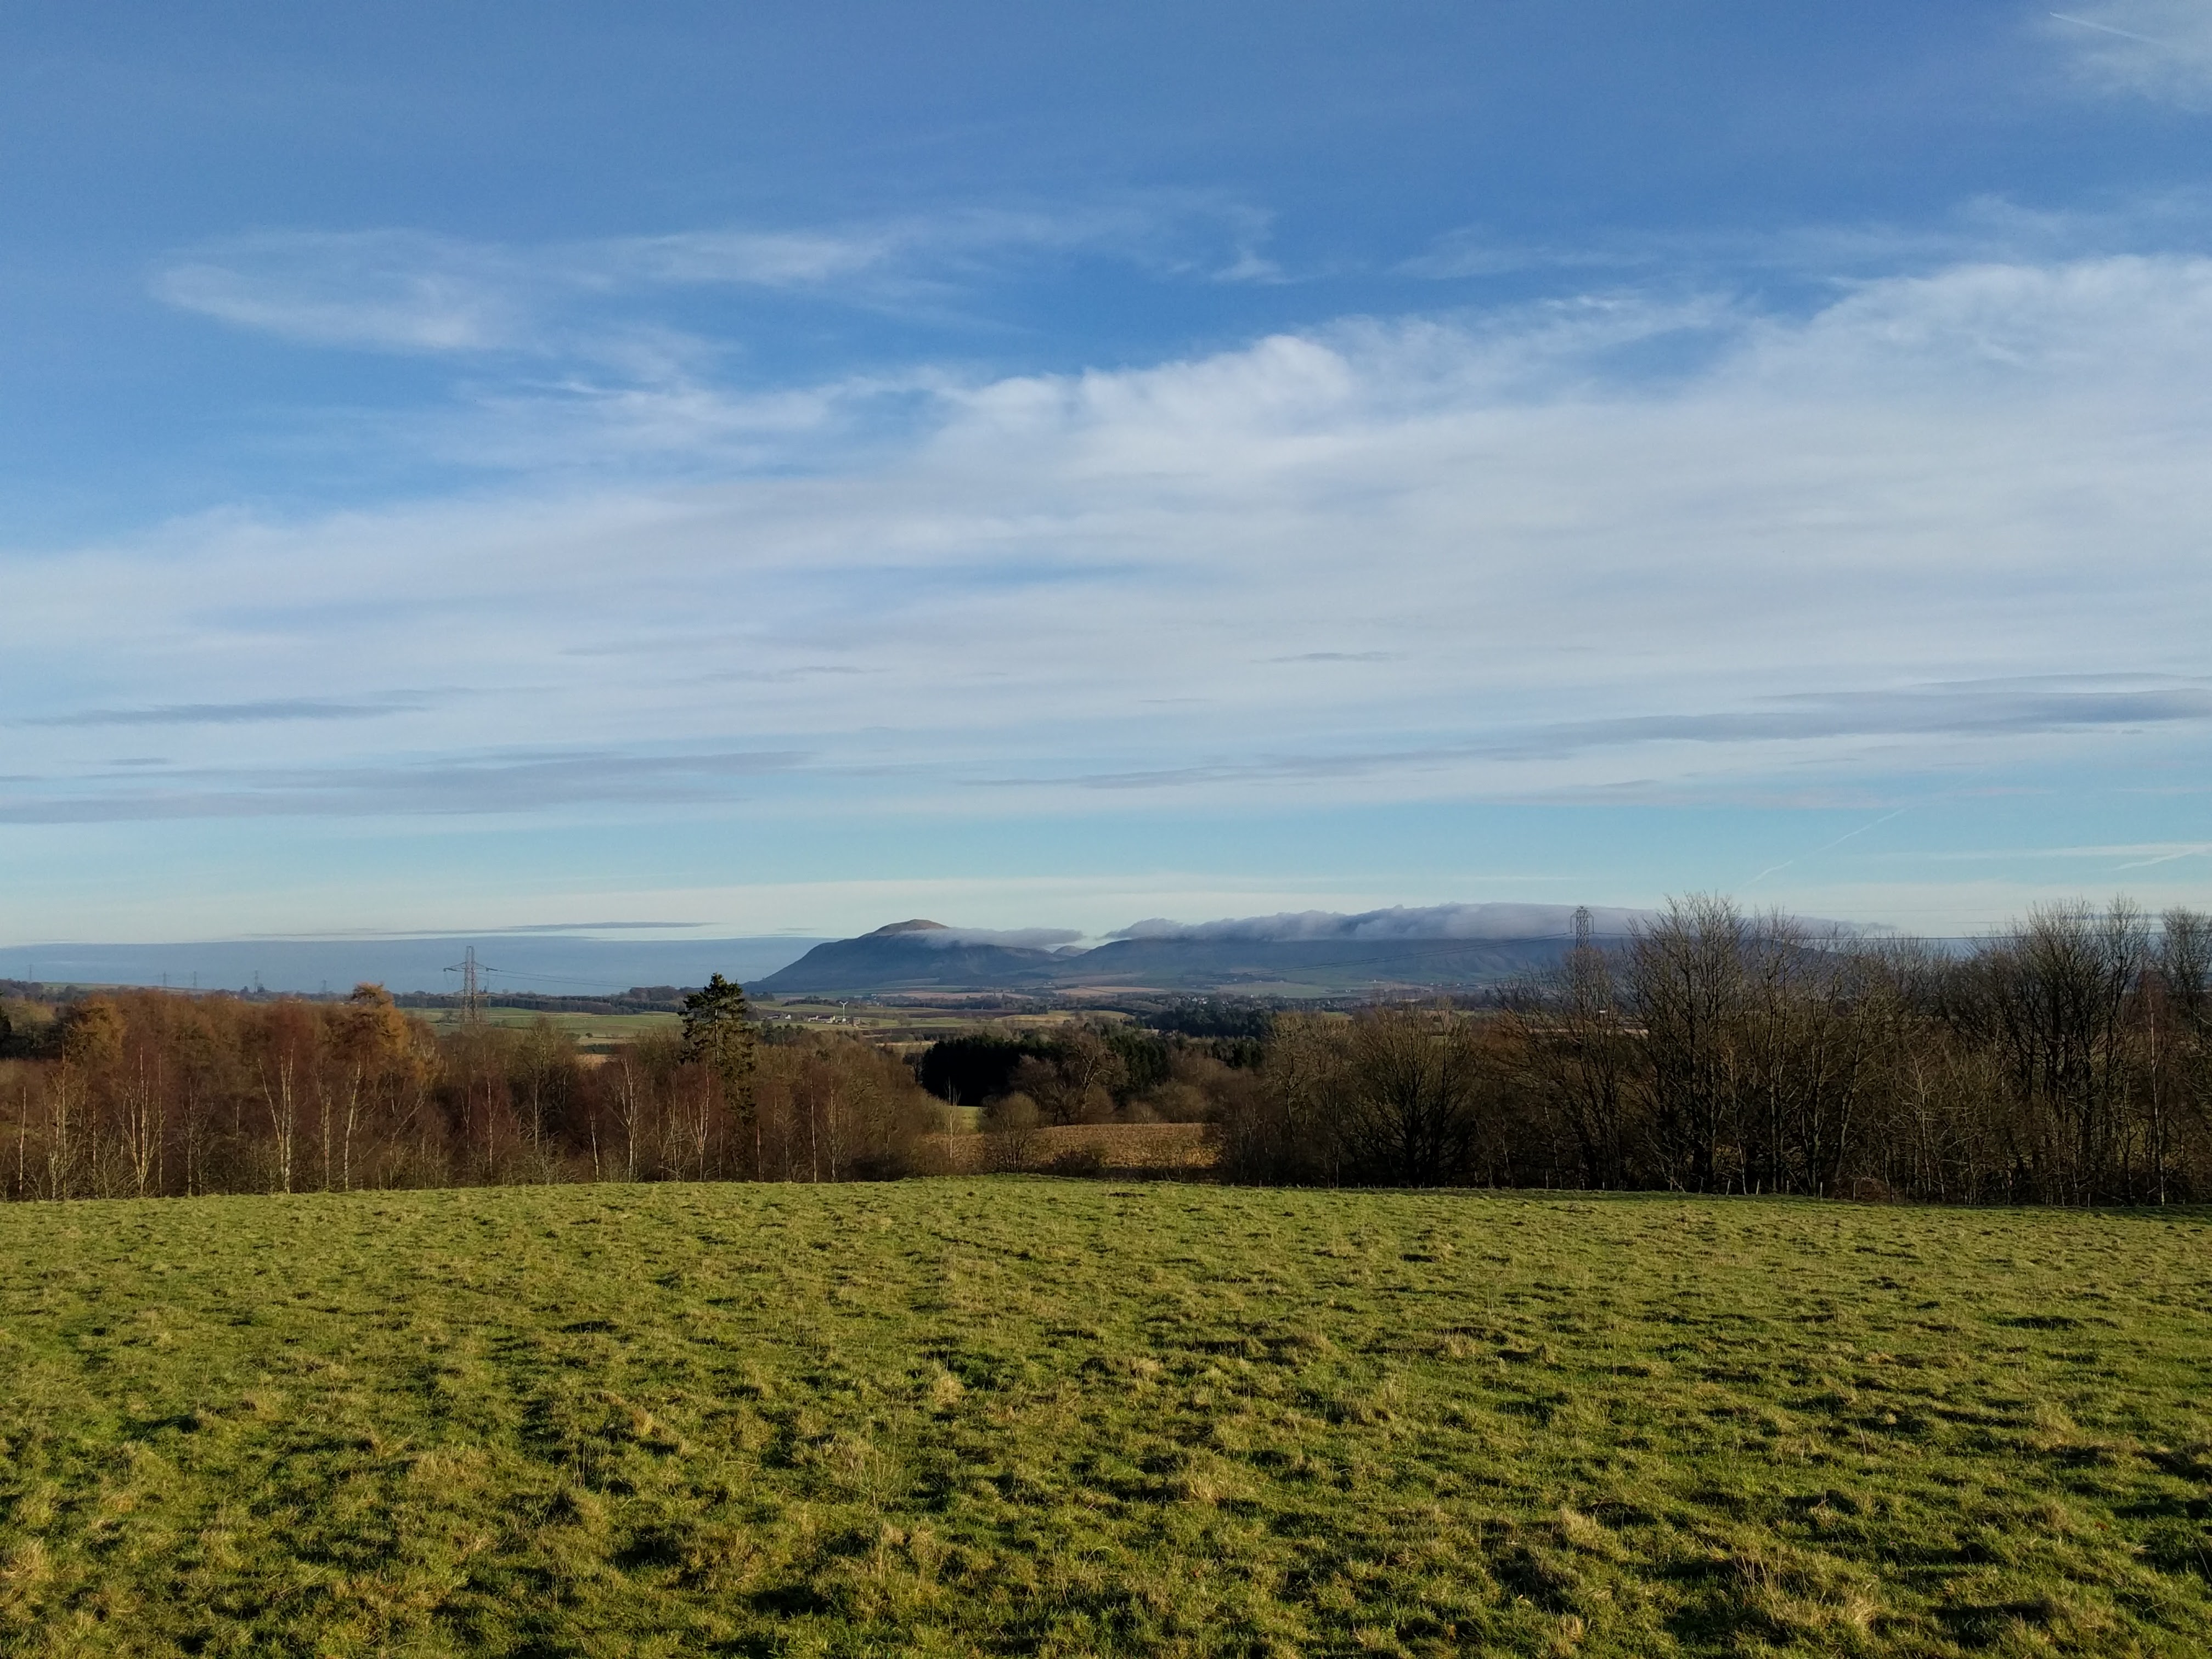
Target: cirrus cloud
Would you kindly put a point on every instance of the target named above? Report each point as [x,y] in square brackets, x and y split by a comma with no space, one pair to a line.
[1611,542]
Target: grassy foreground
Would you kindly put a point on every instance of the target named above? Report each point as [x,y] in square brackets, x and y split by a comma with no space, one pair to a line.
[976,1415]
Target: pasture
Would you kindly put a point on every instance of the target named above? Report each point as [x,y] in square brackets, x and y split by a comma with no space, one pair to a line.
[594,1033]
[902,1028]
[1015,1415]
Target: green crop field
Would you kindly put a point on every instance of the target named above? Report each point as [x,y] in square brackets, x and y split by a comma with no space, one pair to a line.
[911,1021]
[1018,1415]
[909,1026]
[587,1029]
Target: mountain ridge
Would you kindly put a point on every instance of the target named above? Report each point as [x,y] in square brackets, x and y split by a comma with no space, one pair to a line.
[1305,953]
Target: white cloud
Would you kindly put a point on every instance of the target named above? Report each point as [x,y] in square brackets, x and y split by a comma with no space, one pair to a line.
[1986,229]
[1613,548]
[389,291]
[1167,232]
[1473,921]
[1024,938]
[2154,49]
[411,292]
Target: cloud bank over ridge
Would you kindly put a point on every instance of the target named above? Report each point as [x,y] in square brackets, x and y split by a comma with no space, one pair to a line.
[1497,921]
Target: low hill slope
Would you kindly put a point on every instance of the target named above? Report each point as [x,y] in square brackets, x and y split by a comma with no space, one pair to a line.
[979,1416]
[1306,965]
[908,956]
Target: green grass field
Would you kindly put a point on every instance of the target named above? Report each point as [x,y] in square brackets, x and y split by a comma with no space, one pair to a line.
[592,1030]
[913,1025]
[971,1416]
[914,1028]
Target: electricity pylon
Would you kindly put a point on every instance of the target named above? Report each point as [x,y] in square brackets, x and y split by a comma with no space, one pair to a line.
[471,986]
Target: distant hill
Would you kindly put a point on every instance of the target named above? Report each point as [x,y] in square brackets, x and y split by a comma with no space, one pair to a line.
[908,956]
[1307,965]
[1314,953]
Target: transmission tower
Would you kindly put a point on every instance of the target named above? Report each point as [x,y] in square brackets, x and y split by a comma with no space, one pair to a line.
[471,971]
[1582,927]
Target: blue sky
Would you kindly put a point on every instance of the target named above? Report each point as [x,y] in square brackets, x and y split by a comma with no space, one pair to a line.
[786,468]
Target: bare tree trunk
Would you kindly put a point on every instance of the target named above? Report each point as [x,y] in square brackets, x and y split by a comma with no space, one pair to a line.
[352,1114]
[59,1148]
[140,1125]
[630,1121]
[283,1126]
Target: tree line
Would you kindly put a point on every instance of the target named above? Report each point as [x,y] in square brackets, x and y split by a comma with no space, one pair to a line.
[145,1093]
[2066,1061]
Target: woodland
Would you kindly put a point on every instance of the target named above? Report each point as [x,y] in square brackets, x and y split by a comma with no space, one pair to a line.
[2066,1061]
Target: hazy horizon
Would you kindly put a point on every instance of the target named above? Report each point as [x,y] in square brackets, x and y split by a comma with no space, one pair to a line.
[573,960]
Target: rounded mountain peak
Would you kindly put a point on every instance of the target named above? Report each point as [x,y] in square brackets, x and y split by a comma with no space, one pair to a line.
[917,926]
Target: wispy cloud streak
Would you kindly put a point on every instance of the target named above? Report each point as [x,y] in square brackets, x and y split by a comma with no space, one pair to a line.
[227,713]
[1940,519]
[412,292]
[2154,48]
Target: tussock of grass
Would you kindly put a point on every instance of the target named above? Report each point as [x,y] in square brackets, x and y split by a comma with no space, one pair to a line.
[983,1416]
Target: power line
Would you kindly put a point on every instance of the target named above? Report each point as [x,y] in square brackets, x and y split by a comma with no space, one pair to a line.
[471,988]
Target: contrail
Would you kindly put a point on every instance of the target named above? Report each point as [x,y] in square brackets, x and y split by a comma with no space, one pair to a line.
[1838,841]
[2168,858]
[2106,28]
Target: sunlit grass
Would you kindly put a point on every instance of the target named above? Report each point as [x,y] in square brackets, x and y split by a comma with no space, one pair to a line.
[594,1027]
[1021,1415]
